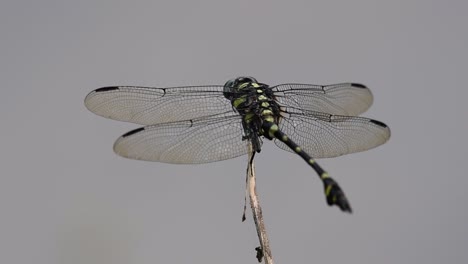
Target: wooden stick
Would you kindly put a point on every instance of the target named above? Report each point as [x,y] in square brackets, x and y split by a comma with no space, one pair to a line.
[264,250]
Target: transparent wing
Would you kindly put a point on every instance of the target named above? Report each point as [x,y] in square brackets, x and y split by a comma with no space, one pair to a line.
[185,142]
[325,136]
[348,99]
[148,106]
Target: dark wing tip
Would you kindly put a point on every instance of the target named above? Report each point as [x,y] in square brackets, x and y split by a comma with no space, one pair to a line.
[358,85]
[378,123]
[90,95]
[134,131]
[106,89]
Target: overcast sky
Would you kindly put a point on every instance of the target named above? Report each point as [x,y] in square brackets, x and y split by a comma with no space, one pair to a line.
[65,197]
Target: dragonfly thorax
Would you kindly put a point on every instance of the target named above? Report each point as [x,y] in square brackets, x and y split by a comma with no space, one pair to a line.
[256,104]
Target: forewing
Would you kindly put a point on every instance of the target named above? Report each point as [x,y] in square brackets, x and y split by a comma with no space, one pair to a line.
[148,105]
[325,136]
[347,99]
[185,142]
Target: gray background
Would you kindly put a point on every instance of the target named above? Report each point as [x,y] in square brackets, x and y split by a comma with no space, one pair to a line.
[65,197]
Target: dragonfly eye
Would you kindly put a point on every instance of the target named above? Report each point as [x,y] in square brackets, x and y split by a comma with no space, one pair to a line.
[245,79]
[233,83]
[229,88]
[251,79]
[230,83]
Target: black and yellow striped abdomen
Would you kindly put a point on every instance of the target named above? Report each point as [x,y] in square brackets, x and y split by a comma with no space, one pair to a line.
[333,192]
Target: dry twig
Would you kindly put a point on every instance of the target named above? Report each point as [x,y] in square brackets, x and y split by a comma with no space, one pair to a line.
[264,250]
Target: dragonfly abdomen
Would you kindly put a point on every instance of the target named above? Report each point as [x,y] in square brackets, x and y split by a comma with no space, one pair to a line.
[333,192]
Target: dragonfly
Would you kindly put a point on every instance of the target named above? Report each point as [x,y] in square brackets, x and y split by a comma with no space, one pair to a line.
[208,123]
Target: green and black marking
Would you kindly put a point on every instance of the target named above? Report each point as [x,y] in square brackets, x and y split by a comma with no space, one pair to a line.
[260,114]
[208,123]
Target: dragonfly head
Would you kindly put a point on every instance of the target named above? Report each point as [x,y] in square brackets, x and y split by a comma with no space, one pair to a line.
[237,84]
